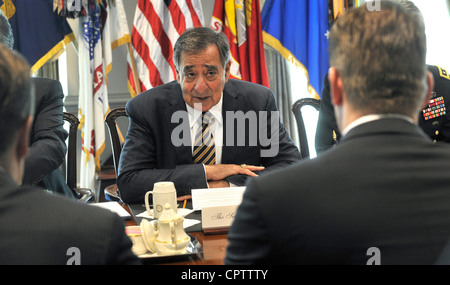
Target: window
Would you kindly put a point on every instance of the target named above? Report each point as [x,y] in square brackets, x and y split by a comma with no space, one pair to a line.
[437,21]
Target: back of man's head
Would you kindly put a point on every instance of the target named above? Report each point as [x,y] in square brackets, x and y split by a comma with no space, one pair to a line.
[380,55]
[410,6]
[16,102]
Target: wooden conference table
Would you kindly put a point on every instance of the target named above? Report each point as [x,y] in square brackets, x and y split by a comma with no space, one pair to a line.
[213,245]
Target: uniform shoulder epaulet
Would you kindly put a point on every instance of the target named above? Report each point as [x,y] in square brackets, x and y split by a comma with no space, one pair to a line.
[443,73]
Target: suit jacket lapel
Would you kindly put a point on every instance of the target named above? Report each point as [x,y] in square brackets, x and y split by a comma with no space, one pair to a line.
[176,101]
[230,103]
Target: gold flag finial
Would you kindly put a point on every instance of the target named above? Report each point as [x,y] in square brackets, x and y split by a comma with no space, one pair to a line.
[8,8]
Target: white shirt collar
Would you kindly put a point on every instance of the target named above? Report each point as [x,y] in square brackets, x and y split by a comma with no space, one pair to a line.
[374,117]
[215,110]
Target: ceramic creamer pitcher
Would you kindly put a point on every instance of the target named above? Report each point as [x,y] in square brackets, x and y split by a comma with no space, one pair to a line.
[166,236]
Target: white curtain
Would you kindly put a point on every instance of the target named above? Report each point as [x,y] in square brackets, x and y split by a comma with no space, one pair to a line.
[280,83]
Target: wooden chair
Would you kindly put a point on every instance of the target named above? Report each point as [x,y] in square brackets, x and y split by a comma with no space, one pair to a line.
[83,194]
[297,110]
[112,192]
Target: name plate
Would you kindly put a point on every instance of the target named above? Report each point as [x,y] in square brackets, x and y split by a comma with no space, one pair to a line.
[218,206]
[218,217]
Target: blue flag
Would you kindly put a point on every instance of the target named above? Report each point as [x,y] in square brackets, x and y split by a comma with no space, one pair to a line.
[40,34]
[298,29]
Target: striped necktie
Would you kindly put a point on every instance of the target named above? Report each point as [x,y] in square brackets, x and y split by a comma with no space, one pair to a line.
[204,149]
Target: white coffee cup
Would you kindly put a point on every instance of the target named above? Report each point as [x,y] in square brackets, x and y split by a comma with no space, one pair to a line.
[163,192]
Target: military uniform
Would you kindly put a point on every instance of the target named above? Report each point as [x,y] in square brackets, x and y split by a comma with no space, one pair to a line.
[435,119]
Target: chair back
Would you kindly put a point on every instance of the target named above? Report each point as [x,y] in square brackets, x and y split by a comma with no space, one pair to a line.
[71,163]
[84,194]
[112,192]
[116,143]
[300,120]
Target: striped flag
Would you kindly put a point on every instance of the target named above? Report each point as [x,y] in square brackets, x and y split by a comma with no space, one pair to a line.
[241,22]
[115,31]
[156,27]
[102,29]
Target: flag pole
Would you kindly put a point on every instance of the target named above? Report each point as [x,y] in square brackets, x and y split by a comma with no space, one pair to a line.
[75,45]
[134,70]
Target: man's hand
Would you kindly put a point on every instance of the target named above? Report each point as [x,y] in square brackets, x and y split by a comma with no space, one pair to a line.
[221,171]
[218,184]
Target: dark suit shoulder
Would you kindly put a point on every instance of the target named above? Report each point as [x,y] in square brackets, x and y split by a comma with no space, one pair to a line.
[169,92]
[57,224]
[47,91]
[249,95]
[45,81]
[48,204]
[245,87]
[47,86]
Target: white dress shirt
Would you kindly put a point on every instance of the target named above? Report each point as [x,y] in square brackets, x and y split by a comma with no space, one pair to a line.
[373,117]
[216,127]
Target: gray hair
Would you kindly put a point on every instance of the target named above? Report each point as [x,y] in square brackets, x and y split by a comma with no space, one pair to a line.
[196,40]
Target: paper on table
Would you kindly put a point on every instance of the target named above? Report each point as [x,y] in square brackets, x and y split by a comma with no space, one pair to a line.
[213,197]
[190,222]
[114,207]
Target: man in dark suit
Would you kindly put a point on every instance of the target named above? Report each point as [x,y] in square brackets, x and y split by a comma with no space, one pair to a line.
[160,145]
[47,143]
[37,227]
[433,119]
[381,196]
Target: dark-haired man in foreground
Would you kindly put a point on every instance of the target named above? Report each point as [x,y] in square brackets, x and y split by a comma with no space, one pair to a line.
[37,227]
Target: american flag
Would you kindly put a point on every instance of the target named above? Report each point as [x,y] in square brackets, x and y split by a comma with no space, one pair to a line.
[156,27]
